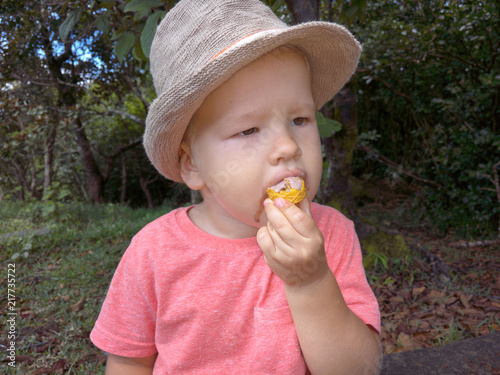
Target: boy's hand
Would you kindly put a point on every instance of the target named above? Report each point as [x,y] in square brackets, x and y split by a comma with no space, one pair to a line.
[292,244]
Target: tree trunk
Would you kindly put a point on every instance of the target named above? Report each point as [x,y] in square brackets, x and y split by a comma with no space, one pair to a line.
[304,10]
[339,148]
[68,97]
[50,140]
[144,186]
[94,178]
[339,151]
[123,190]
[21,177]
[32,185]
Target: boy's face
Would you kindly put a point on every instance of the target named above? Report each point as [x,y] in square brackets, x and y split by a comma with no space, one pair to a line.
[251,132]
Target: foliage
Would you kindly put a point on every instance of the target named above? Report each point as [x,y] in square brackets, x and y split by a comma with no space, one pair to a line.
[462,158]
[62,278]
[61,84]
[380,246]
[327,126]
[429,87]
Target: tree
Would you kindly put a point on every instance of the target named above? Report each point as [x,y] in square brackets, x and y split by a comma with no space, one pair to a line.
[52,64]
[339,147]
[430,82]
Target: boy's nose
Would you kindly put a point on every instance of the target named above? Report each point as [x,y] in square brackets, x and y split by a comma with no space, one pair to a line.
[284,146]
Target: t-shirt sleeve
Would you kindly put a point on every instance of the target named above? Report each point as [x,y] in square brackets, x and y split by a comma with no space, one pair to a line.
[345,260]
[126,324]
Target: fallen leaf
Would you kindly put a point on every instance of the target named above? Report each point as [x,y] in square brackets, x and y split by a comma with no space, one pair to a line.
[464,300]
[58,368]
[404,340]
[79,305]
[389,326]
[418,291]
[450,300]
[435,294]
[396,299]
[440,310]
[25,358]
[389,349]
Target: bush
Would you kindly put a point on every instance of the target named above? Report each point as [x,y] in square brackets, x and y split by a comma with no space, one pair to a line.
[428,90]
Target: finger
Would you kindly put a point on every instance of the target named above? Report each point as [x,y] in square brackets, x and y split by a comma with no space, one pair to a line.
[280,245]
[305,206]
[298,217]
[279,226]
[272,256]
[266,241]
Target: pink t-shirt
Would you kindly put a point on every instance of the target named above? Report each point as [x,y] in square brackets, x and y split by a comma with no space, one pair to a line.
[212,305]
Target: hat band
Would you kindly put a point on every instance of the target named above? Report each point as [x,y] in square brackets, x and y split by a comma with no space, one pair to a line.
[244,40]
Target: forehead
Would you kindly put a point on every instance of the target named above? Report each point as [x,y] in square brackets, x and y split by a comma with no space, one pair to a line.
[280,78]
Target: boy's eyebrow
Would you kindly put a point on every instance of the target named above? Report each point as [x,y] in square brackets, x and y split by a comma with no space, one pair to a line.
[308,106]
[255,114]
[237,118]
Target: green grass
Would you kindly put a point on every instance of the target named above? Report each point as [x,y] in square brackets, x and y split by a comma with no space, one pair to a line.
[453,333]
[74,262]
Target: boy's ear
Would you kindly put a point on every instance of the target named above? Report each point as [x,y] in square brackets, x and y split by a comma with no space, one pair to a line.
[189,171]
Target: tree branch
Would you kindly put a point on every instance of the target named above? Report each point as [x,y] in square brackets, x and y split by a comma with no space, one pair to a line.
[449,56]
[389,86]
[120,150]
[382,159]
[130,116]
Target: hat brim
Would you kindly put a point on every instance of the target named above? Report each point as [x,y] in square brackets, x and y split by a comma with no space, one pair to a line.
[332,53]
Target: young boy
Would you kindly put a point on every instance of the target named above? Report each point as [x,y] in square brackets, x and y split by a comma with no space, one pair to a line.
[240,284]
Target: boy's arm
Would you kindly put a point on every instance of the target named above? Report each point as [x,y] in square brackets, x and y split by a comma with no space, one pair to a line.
[117,365]
[332,338]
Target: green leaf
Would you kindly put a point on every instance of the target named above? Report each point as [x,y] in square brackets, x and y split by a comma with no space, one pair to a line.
[139,15]
[136,5]
[107,4]
[327,126]
[360,4]
[351,11]
[276,5]
[123,45]
[138,53]
[117,33]
[102,23]
[148,32]
[69,23]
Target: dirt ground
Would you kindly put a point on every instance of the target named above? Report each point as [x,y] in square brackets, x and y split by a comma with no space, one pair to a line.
[446,292]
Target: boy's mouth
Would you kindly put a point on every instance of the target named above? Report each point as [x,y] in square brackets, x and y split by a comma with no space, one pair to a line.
[279,177]
[291,188]
[287,183]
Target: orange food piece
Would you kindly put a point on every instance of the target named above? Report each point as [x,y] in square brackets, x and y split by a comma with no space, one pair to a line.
[288,192]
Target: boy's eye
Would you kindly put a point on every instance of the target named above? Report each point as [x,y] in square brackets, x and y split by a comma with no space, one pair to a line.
[248,131]
[298,121]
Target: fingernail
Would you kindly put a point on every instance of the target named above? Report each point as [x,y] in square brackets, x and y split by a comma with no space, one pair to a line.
[279,202]
[266,202]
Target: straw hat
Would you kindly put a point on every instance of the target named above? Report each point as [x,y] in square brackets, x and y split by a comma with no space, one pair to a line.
[201,43]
